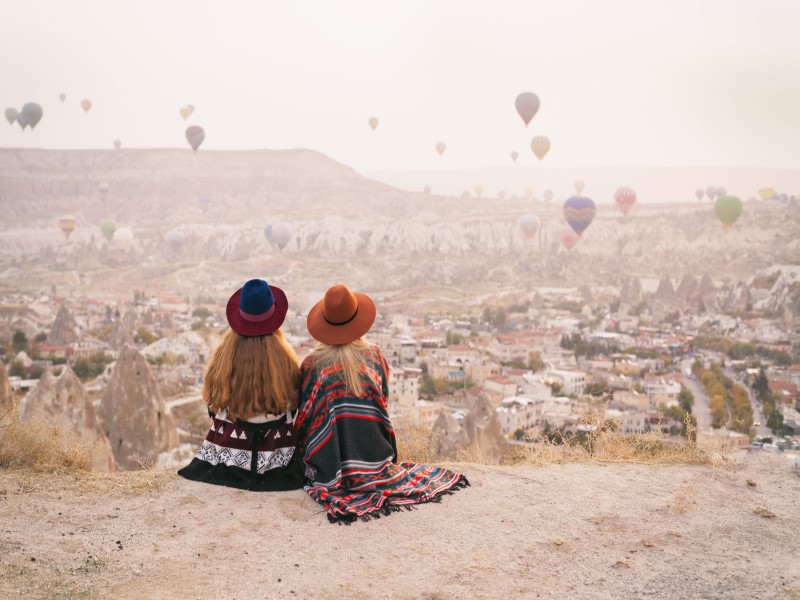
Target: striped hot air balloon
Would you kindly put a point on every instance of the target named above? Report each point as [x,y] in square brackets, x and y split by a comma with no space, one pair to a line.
[579,212]
[67,225]
[625,197]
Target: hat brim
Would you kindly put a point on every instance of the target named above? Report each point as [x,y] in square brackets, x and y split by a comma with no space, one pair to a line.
[336,335]
[265,327]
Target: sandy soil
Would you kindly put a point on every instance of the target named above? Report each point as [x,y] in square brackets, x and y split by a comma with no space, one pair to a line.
[579,530]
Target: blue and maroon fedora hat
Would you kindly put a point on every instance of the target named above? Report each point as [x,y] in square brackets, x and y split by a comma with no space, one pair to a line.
[257,309]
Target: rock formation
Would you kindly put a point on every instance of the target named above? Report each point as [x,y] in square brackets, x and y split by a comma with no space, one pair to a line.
[6,399]
[133,413]
[477,432]
[631,293]
[665,292]
[65,329]
[120,337]
[688,287]
[63,403]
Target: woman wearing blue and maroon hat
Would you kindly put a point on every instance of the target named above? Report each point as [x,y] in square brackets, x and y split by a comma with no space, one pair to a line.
[344,432]
[251,389]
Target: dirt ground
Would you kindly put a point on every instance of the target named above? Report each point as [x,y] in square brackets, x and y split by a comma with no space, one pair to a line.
[585,530]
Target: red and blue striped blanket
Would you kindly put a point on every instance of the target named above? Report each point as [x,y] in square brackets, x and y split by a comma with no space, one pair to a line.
[349,447]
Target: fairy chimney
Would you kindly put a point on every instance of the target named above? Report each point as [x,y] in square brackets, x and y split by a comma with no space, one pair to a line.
[120,336]
[62,402]
[6,398]
[133,413]
[65,329]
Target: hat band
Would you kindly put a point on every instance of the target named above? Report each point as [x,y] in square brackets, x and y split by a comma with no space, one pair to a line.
[257,318]
[329,322]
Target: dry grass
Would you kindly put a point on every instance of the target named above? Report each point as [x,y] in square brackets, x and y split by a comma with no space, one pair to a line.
[602,442]
[34,446]
[415,442]
[29,449]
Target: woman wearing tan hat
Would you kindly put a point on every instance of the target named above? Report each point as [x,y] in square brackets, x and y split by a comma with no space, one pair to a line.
[250,387]
[344,434]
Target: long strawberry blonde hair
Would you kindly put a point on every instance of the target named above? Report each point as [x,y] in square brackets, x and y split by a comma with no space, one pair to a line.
[352,358]
[250,376]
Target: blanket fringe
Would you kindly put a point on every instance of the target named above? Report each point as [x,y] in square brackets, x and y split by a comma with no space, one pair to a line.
[348,519]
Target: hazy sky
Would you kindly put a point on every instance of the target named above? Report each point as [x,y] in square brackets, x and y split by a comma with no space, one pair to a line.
[621,83]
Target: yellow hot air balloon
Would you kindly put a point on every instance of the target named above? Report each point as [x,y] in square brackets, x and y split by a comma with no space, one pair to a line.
[186,111]
[86,104]
[478,189]
[528,193]
[67,225]
[766,193]
[441,147]
[540,146]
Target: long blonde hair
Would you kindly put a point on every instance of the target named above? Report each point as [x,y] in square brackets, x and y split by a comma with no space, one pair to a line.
[351,357]
[249,376]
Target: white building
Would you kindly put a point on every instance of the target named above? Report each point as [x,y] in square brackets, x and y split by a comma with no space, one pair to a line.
[662,391]
[404,384]
[572,382]
[517,412]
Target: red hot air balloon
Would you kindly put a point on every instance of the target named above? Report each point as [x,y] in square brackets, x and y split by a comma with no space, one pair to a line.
[625,198]
[195,136]
[569,238]
[527,105]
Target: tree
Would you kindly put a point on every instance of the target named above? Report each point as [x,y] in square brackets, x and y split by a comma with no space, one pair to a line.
[144,336]
[201,313]
[19,341]
[686,399]
[761,385]
[535,362]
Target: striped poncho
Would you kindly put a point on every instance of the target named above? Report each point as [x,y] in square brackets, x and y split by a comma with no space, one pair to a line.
[349,447]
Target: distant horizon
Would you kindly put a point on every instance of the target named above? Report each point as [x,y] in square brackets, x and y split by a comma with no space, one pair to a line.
[620,82]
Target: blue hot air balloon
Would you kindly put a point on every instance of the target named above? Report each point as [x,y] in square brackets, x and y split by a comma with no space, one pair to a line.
[579,213]
[268,233]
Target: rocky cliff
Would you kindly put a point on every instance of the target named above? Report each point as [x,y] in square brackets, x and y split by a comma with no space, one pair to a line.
[133,413]
[62,402]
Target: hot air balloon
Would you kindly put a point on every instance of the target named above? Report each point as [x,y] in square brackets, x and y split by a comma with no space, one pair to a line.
[86,104]
[11,115]
[711,192]
[478,188]
[528,191]
[441,147]
[579,185]
[21,121]
[195,136]
[373,123]
[62,97]
[527,104]
[529,224]
[728,209]
[569,238]
[281,234]
[579,212]
[107,228]
[699,193]
[117,144]
[548,195]
[514,156]
[766,193]
[122,238]
[174,238]
[268,233]
[67,225]
[103,186]
[625,198]
[186,111]
[541,146]
[721,191]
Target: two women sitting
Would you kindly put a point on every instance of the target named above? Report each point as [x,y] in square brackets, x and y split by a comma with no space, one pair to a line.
[323,425]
